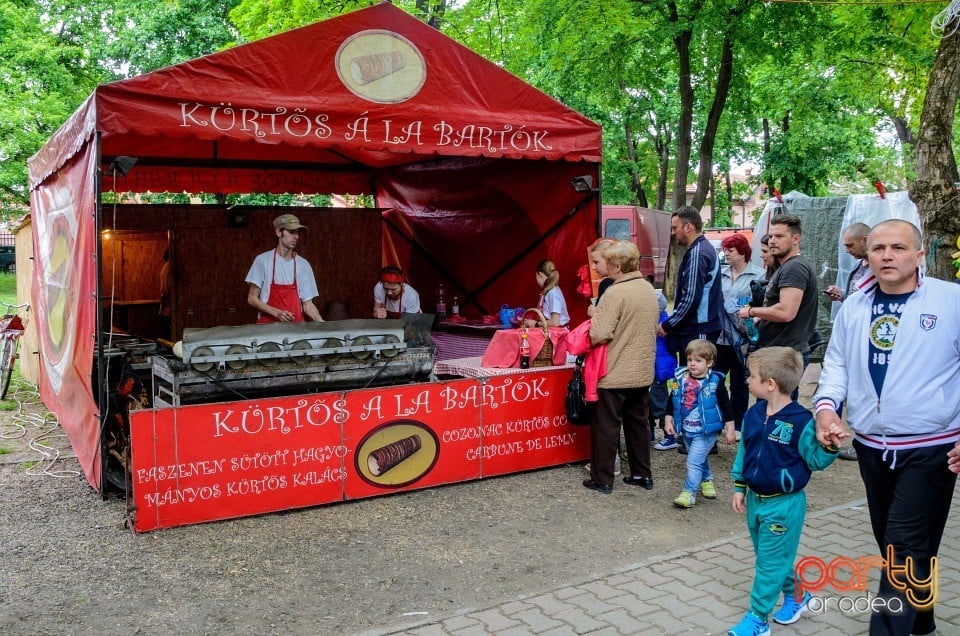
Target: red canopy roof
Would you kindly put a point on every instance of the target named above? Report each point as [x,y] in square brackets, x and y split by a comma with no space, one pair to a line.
[341,96]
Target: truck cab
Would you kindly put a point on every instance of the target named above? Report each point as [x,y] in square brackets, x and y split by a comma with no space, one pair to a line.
[646,228]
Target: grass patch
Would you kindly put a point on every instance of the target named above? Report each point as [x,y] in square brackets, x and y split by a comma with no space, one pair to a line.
[5,451]
[8,405]
[8,288]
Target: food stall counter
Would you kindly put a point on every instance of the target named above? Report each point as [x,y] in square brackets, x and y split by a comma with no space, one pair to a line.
[206,462]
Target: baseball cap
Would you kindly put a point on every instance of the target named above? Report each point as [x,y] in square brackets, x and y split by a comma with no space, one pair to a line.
[287,222]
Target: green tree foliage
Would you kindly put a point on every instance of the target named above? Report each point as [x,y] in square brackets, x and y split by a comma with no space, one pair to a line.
[54,54]
[43,80]
[821,96]
[131,37]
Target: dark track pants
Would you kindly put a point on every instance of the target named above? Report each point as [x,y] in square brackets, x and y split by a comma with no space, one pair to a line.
[909,496]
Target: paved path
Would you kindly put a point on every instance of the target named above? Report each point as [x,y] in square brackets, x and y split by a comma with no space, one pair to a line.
[700,591]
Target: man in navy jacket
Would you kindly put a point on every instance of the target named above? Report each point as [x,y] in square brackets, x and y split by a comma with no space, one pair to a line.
[698,300]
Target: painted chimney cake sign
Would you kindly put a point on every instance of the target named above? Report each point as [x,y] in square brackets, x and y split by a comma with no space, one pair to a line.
[381,66]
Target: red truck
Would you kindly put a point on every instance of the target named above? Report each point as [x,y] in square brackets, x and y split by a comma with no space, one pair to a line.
[648,229]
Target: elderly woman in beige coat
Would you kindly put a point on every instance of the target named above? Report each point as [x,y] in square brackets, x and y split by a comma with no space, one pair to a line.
[626,321]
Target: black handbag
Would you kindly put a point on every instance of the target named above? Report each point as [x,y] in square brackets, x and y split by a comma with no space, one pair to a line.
[579,411]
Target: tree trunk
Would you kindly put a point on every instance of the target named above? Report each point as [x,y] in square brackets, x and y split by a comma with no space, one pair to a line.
[729,184]
[662,144]
[707,142]
[640,197]
[432,11]
[904,134]
[713,201]
[682,165]
[934,190]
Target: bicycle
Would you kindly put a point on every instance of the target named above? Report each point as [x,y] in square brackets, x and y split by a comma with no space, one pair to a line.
[11,328]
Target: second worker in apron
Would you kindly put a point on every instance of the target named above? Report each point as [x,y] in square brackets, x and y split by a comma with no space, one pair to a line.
[392,296]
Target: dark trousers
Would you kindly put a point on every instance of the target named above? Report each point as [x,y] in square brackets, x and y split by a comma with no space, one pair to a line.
[631,406]
[729,363]
[795,395]
[909,501]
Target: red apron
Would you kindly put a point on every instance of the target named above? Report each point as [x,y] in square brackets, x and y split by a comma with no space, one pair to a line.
[283,297]
[393,314]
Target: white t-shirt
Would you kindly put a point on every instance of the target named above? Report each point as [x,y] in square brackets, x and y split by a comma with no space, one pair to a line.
[408,303]
[262,275]
[553,303]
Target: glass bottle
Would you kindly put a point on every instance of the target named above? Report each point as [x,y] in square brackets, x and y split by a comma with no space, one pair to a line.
[441,301]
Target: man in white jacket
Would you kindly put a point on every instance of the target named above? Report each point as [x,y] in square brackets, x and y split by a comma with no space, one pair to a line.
[894,356]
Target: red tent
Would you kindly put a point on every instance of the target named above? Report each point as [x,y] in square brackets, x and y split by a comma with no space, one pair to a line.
[470,167]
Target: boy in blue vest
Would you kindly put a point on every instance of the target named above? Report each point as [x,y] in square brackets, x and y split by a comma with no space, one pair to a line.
[701,405]
[777,454]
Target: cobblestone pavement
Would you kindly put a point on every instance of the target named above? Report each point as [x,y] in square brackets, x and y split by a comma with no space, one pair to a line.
[704,590]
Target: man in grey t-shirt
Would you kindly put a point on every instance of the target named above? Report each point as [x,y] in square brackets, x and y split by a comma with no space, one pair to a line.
[789,313]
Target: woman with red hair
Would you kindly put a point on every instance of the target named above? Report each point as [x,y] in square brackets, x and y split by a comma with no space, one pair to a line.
[736,276]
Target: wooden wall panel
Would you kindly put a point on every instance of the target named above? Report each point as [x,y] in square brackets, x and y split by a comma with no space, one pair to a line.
[30,340]
[211,256]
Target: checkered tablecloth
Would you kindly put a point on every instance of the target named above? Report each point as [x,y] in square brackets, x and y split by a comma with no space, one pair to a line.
[470,368]
[451,345]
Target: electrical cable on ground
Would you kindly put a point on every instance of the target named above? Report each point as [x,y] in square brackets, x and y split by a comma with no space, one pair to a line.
[41,430]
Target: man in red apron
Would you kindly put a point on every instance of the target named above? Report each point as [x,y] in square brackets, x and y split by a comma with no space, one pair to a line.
[392,296]
[282,286]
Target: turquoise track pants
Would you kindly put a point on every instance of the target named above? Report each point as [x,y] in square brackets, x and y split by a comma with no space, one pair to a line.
[775,525]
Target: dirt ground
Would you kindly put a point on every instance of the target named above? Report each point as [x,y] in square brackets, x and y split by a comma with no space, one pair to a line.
[68,564]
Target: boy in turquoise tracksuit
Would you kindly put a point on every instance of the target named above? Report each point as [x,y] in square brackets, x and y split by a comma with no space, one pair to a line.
[777,454]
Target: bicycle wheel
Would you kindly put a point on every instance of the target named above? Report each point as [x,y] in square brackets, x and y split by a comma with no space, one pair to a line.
[7,359]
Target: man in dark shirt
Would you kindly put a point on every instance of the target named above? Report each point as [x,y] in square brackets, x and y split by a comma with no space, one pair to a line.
[789,313]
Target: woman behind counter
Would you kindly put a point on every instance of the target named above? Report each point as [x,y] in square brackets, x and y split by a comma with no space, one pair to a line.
[626,321]
[552,303]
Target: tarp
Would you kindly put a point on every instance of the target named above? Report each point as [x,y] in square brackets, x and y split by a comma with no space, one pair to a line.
[472,164]
[823,220]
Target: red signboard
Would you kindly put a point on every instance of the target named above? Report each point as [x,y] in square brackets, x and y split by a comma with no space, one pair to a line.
[525,424]
[219,461]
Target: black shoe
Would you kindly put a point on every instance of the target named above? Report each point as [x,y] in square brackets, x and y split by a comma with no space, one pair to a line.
[681,447]
[592,485]
[713,451]
[645,482]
